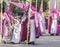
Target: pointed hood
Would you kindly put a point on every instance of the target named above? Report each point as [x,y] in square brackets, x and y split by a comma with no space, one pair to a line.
[41,6]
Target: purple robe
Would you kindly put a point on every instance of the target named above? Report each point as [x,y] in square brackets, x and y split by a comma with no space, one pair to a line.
[58,26]
[58,29]
[49,24]
[36,28]
[24,30]
[51,20]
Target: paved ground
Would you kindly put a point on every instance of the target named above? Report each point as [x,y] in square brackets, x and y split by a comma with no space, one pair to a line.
[45,41]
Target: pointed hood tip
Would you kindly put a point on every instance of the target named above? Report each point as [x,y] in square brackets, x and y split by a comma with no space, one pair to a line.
[55,6]
[41,7]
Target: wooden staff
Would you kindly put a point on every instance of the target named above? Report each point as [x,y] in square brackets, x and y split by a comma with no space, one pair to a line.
[36,4]
[23,1]
[1,23]
[19,1]
[49,14]
[27,28]
[29,13]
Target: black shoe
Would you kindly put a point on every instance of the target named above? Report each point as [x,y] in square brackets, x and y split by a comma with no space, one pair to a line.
[57,34]
[12,43]
[52,34]
[4,42]
[31,43]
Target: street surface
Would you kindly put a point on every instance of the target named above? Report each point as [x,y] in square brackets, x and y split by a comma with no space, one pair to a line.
[43,41]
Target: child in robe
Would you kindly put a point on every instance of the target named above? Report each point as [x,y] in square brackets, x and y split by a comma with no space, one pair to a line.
[16,31]
[16,37]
